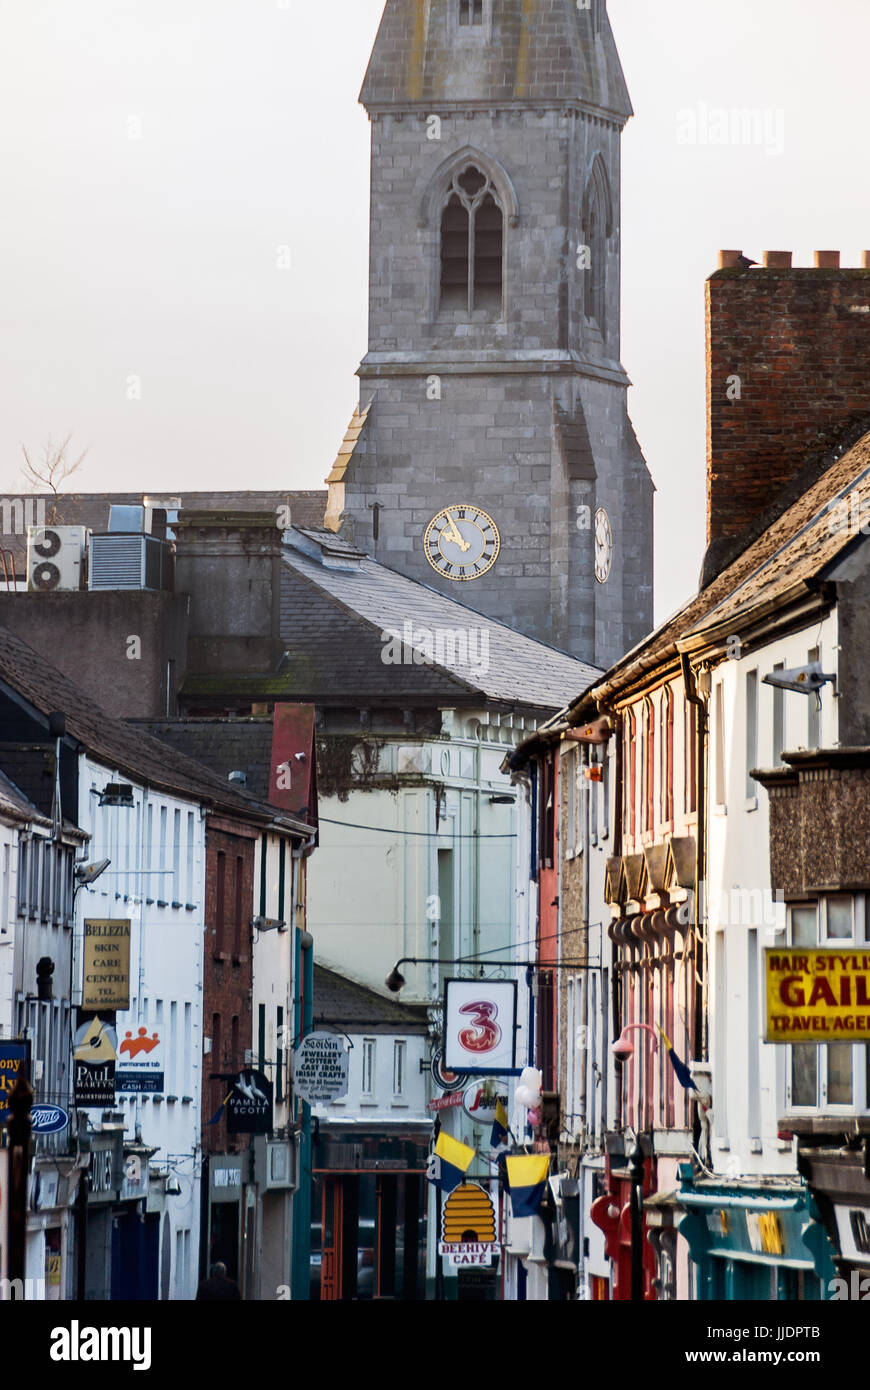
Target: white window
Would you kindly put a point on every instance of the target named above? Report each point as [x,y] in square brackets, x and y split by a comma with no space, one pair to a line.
[368,1067]
[5,889]
[190,887]
[571,771]
[814,713]
[161,864]
[751,734]
[719,716]
[399,1067]
[176,857]
[778,718]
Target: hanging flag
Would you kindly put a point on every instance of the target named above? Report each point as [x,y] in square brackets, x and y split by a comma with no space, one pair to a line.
[220,1110]
[683,1075]
[449,1162]
[499,1136]
[527,1178]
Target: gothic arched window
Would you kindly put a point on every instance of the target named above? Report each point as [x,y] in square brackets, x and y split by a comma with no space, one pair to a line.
[470,11]
[595,281]
[597,229]
[472,244]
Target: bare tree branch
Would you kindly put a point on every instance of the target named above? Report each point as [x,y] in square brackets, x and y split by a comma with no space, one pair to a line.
[49,472]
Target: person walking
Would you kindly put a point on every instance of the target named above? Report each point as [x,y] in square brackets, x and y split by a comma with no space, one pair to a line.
[218,1287]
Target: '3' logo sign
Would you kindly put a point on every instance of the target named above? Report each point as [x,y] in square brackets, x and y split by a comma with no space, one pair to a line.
[485,1033]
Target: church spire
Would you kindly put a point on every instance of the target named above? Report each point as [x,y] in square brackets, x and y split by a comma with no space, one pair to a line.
[503,51]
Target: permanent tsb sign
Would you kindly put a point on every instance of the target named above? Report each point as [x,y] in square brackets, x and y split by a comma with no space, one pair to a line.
[817,995]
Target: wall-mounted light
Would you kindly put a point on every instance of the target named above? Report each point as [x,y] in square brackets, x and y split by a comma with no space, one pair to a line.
[117,794]
[87,873]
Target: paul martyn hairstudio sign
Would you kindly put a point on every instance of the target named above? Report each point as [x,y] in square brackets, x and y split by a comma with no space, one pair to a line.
[817,995]
[107,964]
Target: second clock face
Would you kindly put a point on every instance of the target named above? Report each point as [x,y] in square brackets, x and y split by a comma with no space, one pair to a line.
[462,542]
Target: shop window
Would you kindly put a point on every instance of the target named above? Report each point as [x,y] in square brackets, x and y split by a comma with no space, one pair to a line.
[824,1075]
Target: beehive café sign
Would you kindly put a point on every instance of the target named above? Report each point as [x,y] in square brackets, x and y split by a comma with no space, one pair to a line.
[818,995]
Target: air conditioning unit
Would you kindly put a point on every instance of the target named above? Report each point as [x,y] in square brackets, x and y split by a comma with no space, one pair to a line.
[55,557]
[126,560]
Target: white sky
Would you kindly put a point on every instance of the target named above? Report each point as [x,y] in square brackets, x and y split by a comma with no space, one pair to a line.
[156,256]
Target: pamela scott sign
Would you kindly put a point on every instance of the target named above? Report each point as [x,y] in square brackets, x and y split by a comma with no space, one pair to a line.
[817,995]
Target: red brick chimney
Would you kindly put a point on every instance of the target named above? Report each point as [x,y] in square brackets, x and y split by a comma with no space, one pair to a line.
[788,351]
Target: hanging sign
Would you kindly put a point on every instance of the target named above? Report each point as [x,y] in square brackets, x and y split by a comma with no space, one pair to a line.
[140,1062]
[446,1080]
[451,1101]
[320,1068]
[249,1104]
[48,1119]
[14,1057]
[469,1226]
[95,1051]
[107,964]
[480,1026]
[479,1100]
[817,995]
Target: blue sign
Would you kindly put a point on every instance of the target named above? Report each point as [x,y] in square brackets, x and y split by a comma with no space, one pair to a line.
[48,1119]
[14,1057]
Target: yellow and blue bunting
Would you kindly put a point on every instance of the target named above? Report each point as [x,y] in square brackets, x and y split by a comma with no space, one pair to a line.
[527,1179]
[499,1135]
[449,1162]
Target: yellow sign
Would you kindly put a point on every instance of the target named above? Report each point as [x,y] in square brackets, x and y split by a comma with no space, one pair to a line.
[107,964]
[817,995]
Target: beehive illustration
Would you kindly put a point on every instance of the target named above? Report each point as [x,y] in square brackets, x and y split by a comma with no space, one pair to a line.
[468,1215]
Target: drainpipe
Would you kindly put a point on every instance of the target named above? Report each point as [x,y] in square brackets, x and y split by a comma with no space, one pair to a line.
[700,1002]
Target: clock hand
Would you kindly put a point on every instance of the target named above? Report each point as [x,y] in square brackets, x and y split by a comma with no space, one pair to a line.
[456,535]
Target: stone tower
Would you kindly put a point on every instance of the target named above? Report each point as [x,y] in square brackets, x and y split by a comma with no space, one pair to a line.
[492,455]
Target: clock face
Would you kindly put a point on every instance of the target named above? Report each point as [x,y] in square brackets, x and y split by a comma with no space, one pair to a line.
[603,546]
[462,542]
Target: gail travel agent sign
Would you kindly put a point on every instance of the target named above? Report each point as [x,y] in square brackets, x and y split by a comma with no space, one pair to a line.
[817,995]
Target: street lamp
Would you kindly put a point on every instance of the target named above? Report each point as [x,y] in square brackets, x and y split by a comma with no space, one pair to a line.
[395,981]
[622,1049]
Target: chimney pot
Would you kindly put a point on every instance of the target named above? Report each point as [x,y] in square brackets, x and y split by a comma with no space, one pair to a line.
[777,260]
[828,260]
[729,259]
[865,260]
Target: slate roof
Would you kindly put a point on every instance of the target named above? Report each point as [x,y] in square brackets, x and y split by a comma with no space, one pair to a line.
[91,509]
[14,805]
[113,741]
[355,1007]
[223,745]
[540,50]
[788,557]
[329,612]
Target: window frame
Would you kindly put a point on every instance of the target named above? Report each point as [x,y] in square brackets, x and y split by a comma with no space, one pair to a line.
[472,204]
[368,1069]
